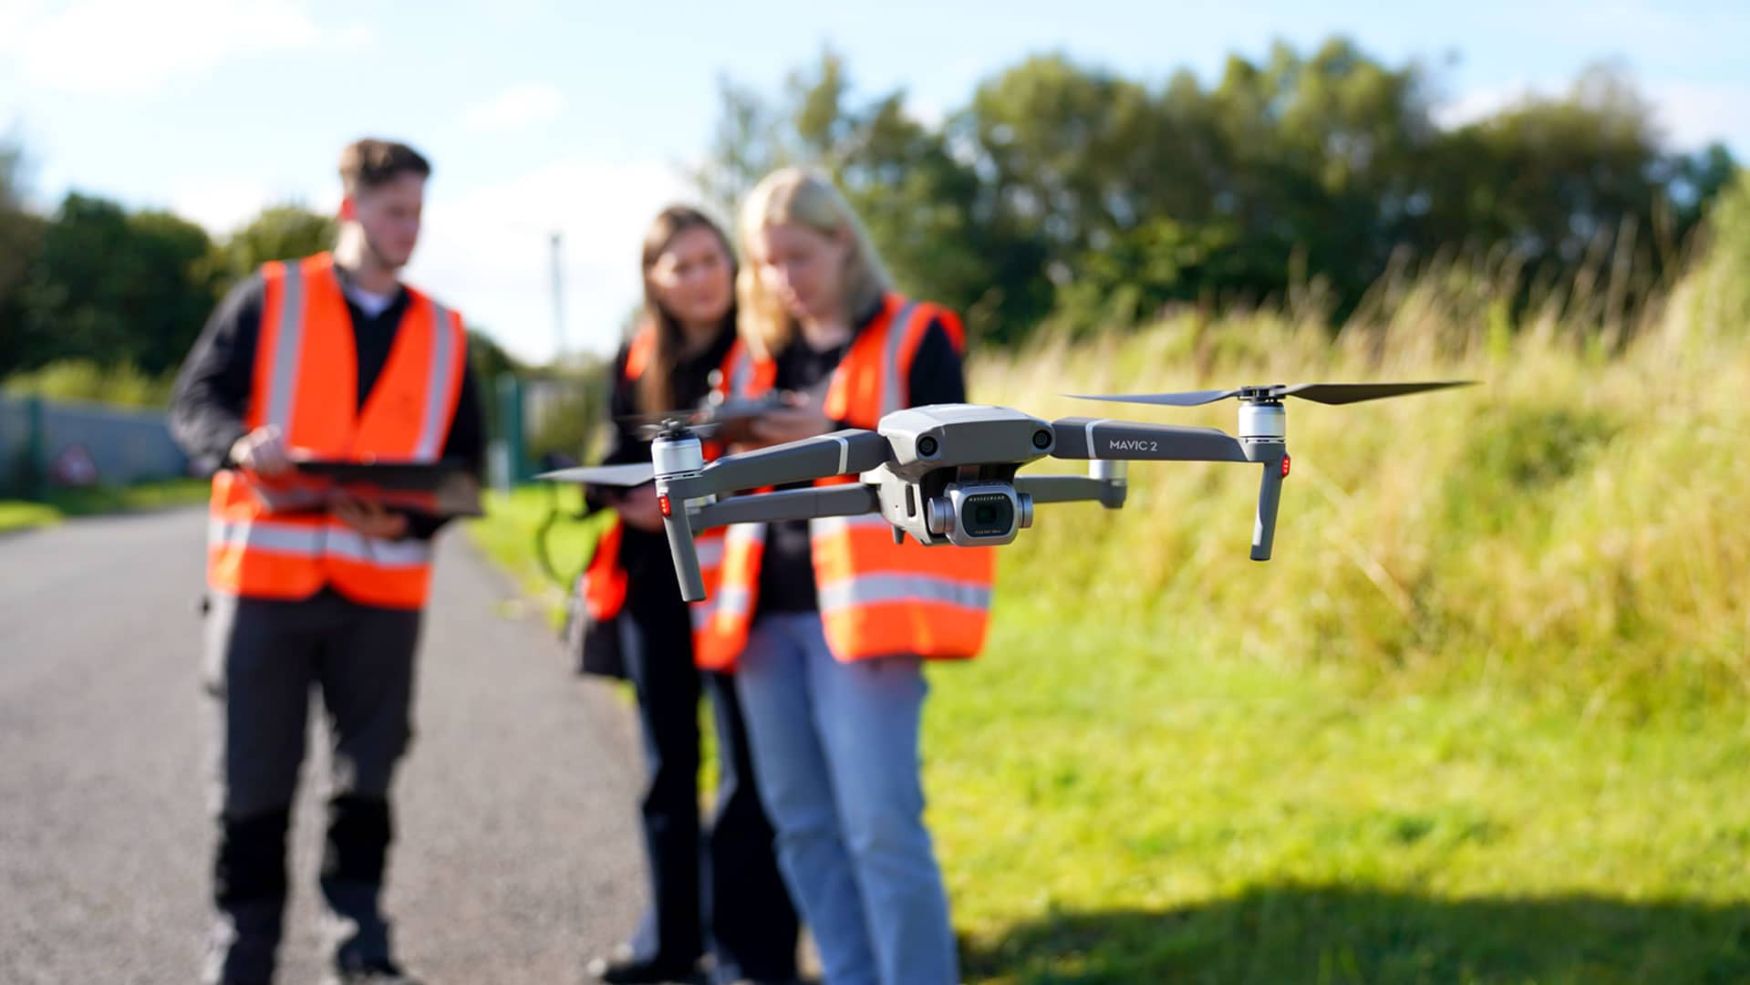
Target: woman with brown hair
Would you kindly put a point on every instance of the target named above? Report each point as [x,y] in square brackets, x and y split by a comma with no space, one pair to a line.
[685,336]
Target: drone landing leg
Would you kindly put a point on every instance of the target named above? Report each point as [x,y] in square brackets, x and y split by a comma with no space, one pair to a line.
[1269,497]
[684,552]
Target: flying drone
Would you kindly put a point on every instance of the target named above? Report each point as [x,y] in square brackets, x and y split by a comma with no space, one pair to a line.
[946,473]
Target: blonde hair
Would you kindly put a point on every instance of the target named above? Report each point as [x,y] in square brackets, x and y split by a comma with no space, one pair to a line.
[793,196]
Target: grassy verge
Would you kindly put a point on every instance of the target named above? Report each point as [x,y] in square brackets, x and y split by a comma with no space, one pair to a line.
[1113,807]
[63,503]
[509,534]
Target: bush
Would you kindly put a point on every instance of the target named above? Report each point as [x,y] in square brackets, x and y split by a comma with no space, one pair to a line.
[84,380]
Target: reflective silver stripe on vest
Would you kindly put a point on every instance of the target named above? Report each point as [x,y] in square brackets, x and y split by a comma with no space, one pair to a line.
[754,533]
[280,538]
[282,386]
[892,397]
[314,542]
[877,588]
[734,601]
[350,544]
[435,424]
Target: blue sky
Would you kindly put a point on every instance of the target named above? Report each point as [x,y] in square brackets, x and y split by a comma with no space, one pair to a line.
[580,117]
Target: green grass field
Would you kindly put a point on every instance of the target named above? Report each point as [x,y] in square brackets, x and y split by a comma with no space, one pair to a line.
[1483,717]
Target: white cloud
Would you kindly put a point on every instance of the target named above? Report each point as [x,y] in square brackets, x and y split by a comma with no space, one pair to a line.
[1689,115]
[1483,101]
[1695,115]
[486,250]
[222,204]
[515,108]
[126,45]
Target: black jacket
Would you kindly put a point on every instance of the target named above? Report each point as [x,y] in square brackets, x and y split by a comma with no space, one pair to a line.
[213,389]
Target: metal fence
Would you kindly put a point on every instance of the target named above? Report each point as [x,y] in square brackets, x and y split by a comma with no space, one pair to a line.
[44,443]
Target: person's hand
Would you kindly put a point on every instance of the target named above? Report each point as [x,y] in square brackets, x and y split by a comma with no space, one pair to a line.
[262,451]
[370,519]
[801,418]
[639,509]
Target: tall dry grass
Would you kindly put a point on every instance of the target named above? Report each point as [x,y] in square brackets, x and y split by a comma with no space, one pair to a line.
[1578,525]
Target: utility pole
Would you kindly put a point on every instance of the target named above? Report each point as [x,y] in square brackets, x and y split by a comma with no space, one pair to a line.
[557,242]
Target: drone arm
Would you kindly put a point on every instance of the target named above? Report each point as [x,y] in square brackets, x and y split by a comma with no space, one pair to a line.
[1108,492]
[847,452]
[791,504]
[1099,438]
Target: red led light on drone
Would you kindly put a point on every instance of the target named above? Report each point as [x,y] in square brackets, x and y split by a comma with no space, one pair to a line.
[1285,463]
[662,502]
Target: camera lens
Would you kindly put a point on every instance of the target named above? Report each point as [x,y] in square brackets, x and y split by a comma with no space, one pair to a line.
[926,446]
[988,515]
[1042,439]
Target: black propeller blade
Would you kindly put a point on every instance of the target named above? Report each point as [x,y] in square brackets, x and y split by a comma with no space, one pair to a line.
[632,474]
[1354,393]
[1189,398]
[1324,393]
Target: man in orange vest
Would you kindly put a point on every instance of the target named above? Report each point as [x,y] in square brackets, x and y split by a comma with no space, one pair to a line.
[333,357]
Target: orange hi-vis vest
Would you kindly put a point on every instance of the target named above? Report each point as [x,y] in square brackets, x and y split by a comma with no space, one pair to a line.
[306,383]
[877,598]
[604,583]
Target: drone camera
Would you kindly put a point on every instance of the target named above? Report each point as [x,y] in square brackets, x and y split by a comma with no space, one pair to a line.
[982,514]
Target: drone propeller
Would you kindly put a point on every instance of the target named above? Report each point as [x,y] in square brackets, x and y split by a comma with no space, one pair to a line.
[632,474]
[1324,393]
[675,426]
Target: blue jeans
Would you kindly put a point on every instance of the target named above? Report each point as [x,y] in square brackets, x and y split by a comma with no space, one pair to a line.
[836,749]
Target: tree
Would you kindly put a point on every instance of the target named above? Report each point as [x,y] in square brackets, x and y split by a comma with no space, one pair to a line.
[116,288]
[21,235]
[280,232]
[1068,192]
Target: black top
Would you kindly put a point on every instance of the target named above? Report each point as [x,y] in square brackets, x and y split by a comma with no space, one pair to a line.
[651,589]
[936,377]
[213,389]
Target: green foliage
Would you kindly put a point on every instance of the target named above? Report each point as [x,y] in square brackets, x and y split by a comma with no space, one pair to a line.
[1720,298]
[84,380]
[21,515]
[1567,530]
[63,503]
[280,232]
[115,287]
[565,413]
[21,235]
[1069,194]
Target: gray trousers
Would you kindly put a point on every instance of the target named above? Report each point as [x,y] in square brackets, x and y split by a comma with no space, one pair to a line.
[264,658]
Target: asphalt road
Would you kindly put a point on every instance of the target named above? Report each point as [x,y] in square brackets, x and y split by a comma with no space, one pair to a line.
[517,855]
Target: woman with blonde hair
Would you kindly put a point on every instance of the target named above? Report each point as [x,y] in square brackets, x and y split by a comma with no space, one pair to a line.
[829,619]
[732,900]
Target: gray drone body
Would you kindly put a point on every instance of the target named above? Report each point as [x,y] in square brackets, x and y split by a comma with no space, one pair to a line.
[951,478]
[948,474]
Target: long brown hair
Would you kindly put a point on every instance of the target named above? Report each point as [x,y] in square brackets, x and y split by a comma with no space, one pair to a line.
[656,386]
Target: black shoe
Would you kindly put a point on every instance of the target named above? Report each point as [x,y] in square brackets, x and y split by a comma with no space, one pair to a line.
[372,973]
[626,970]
